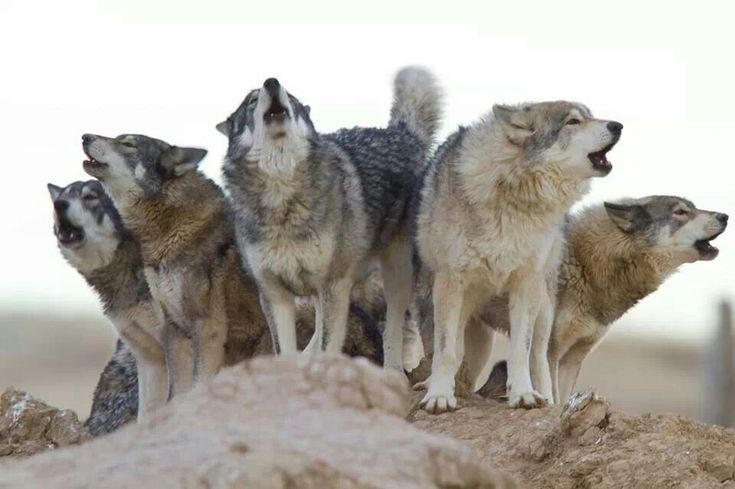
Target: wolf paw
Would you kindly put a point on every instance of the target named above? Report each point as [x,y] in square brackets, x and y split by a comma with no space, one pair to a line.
[413,353]
[527,400]
[439,403]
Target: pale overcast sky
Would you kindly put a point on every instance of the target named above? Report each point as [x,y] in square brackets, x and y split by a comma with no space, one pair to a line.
[173,71]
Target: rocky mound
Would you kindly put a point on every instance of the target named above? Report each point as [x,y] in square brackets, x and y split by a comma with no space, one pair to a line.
[29,426]
[585,444]
[282,422]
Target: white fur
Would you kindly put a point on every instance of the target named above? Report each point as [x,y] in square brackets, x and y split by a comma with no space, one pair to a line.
[506,244]
[100,240]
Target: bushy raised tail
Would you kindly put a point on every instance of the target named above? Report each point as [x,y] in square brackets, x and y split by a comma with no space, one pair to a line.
[417,103]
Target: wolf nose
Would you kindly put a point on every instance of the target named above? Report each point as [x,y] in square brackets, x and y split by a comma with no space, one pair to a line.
[272,85]
[87,138]
[614,127]
[722,218]
[61,205]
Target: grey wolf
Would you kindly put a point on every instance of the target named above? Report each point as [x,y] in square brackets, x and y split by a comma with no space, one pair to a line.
[92,238]
[489,224]
[617,254]
[190,261]
[312,210]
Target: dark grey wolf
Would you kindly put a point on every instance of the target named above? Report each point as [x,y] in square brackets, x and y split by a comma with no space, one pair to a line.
[489,224]
[92,238]
[313,209]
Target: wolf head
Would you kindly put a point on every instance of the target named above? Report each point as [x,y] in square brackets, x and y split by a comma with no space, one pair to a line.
[271,126]
[674,224]
[560,132]
[134,166]
[87,226]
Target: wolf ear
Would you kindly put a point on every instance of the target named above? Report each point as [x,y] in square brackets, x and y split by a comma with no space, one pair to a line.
[627,217]
[182,160]
[516,122]
[54,191]
[225,128]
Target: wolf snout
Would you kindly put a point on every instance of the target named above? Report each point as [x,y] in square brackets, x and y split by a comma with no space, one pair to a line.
[722,218]
[615,127]
[272,86]
[61,205]
[88,138]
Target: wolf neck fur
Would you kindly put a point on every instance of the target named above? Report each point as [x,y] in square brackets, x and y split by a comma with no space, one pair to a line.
[120,283]
[618,268]
[493,174]
[187,210]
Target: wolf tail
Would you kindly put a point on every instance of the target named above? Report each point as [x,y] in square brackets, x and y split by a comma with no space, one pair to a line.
[494,388]
[416,103]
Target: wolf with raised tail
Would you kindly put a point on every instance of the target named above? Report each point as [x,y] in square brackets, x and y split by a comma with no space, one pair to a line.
[313,210]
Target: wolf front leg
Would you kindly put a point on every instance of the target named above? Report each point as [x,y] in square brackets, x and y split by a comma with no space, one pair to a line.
[540,372]
[571,364]
[526,289]
[335,307]
[179,359]
[280,312]
[150,362]
[449,322]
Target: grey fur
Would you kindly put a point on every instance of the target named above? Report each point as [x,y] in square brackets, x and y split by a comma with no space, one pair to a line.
[335,200]
[92,238]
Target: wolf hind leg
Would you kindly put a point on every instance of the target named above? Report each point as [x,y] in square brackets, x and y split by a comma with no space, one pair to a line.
[479,338]
[397,271]
[335,307]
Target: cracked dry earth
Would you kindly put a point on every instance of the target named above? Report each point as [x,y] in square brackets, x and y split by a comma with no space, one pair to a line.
[333,422]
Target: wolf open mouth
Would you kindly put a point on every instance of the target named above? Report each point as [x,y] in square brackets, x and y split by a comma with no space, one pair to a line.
[67,234]
[599,159]
[276,113]
[705,248]
[92,166]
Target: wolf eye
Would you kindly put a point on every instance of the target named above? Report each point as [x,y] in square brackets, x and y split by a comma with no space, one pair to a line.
[681,212]
[89,197]
[572,122]
[128,144]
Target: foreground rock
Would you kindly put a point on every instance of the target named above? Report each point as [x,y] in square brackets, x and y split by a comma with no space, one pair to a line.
[29,426]
[586,445]
[272,423]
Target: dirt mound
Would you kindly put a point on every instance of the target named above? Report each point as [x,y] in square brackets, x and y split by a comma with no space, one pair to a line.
[586,444]
[281,422]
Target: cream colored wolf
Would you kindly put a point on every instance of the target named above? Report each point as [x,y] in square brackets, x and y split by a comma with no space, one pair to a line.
[490,224]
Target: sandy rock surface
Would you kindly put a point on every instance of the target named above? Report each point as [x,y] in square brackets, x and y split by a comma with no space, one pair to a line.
[586,444]
[29,426]
[288,422]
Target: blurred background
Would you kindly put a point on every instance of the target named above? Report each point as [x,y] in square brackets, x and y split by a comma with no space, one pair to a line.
[174,69]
